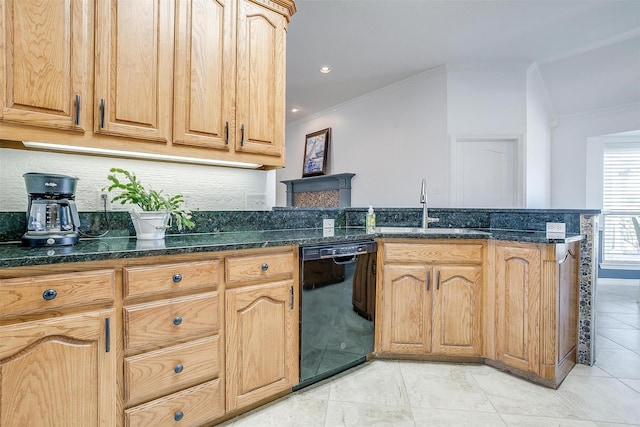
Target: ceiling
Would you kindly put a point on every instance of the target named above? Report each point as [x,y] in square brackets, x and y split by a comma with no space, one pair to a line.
[588,51]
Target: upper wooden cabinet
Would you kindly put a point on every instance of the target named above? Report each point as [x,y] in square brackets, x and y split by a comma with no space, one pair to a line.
[44,62]
[229,81]
[260,84]
[205,73]
[191,78]
[226,80]
[134,68]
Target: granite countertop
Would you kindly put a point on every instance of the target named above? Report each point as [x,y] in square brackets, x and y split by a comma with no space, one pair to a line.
[12,254]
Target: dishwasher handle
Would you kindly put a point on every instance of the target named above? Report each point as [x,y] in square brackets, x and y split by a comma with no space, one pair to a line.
[348,261]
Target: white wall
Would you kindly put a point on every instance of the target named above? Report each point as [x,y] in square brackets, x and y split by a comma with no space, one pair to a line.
[390,139]
[538,142]
[394,137]
[569,173]
[204,187]
[486,99]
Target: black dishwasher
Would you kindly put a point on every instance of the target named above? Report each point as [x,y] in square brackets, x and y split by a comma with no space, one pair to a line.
[337,308]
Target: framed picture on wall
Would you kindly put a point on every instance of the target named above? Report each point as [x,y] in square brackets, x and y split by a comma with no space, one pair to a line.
[316,148]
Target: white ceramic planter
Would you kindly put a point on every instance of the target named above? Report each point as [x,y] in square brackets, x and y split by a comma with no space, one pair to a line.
[150,225]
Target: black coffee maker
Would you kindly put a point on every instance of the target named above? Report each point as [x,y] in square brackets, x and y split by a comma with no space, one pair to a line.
[52,216]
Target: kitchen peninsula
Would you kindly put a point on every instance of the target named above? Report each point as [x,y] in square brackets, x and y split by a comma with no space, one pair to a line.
[158,331]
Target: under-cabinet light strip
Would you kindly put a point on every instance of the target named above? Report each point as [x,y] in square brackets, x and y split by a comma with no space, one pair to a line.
[132,154]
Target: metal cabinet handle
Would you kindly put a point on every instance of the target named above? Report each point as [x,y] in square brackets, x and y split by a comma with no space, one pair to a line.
[178,368]
[101,113]
[265,266]
[438,281]
[291,297]
[242,135]
[77,109]
[177,320]
[177,278]
[49,294]
[429,280]
[226,133]
[178,415]
[107,335]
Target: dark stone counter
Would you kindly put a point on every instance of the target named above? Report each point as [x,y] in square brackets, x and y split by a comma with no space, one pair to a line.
[12,254]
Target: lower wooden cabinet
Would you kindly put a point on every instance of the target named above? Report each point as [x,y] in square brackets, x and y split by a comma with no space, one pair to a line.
[429,308]
[157,373]
[457,310]
[536,287]
[194,406]
[262,342]
[518,282]
[222,334]
[173,362]
[59,371]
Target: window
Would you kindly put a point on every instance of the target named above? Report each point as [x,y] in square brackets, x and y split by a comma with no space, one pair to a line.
[621,201]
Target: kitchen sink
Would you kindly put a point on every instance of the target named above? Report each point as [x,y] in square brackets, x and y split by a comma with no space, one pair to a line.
[418,230]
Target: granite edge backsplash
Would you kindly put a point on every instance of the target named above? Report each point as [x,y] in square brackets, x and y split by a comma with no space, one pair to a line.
[12,224]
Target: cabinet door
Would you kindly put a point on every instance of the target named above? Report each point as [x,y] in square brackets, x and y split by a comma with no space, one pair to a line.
[59,372]
[457,307]
[262,342]
[518,271]
[45,47]
[134,68]
[568,290]
[260,86]
[405,318]
[204,73]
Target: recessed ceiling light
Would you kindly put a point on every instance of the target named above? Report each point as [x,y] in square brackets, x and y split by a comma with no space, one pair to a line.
[294,110]
[325,69]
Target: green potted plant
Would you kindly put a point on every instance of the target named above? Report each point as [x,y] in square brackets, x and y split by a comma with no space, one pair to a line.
[157,209]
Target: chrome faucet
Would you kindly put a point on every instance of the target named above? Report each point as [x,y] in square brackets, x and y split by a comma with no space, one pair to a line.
[425,211]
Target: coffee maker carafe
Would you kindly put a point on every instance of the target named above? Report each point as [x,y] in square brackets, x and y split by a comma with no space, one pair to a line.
[52,216]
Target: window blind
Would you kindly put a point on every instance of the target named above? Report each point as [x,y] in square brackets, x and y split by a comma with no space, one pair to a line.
[621,201]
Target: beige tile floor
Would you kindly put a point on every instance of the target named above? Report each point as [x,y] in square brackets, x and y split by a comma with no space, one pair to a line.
[399,393]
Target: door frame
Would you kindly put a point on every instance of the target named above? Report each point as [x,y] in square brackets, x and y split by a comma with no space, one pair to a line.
[518,167]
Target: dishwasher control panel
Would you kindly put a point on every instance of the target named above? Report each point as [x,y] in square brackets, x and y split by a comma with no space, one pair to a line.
[337,250]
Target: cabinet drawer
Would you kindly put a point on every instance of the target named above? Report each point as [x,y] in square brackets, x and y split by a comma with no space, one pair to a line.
[166,322]
[28,295]
[170,277]
[433,253]
[262,267]
[192,407]
[151,375]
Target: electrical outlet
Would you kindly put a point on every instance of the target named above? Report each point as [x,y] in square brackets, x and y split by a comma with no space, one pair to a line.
[104,201]
[255,201]
[556,229]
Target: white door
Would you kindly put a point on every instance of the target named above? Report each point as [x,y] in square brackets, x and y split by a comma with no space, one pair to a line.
[485,173]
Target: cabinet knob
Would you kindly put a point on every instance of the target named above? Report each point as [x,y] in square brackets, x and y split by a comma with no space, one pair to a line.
[177,320]
[265,266]
[178,415]
[178,368]
[177,278]
[49,294]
